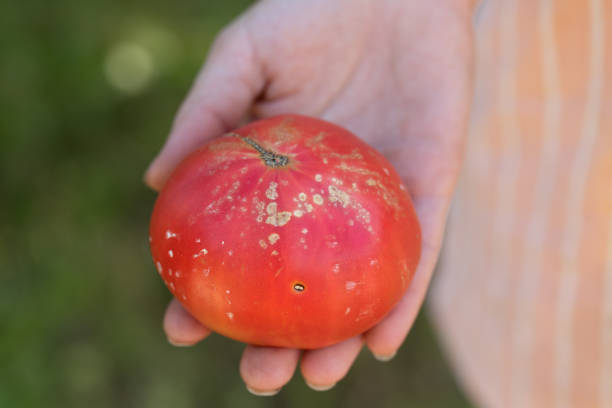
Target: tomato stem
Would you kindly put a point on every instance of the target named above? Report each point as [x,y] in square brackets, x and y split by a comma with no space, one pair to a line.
[270,158]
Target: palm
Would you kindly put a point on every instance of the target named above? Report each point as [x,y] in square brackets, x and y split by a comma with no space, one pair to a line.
[398,77]
[395,73]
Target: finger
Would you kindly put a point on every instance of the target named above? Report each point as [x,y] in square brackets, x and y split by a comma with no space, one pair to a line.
[265,370]
[323,368]
[385,338]
[219,98]
[181,328]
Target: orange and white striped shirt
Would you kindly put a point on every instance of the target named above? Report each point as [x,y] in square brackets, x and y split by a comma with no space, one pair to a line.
[523,295]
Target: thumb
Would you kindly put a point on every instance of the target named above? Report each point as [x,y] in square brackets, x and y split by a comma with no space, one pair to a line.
[221,95]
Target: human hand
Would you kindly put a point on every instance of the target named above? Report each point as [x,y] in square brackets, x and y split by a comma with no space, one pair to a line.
[396,73]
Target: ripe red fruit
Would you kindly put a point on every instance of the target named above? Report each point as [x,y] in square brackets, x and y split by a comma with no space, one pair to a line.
[288,232]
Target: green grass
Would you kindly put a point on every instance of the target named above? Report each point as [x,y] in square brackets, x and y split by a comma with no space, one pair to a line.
[80,301]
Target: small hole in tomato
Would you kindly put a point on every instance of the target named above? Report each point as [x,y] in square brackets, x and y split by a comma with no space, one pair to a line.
[298,287]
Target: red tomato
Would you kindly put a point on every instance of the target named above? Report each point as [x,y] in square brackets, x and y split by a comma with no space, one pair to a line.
[288,232]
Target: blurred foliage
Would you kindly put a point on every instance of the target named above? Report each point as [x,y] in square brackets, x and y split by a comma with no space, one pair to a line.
[88,90]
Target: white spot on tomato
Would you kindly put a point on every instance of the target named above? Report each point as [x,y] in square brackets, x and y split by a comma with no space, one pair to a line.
[317,199]
[304,231]
[276,218]
[331,241]
[170,234]
[160,269]
[203,251]
[170,253]
[263,244]
[339,196]
[272,238]
[350,285]
[363,314]
[271,192]
[347,311]
[302,196]
[230,315]
[298,213]
[318,178]
[272,208]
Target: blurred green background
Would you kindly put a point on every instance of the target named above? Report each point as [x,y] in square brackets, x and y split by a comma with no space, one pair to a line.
[88,91]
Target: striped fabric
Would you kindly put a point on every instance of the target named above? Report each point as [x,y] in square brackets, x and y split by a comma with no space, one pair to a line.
[523,294]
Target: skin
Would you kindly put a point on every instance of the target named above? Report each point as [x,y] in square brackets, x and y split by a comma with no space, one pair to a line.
[396,73]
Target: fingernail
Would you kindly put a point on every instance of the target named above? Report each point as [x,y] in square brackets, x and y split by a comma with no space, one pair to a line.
[320,387]
[146,177]
[384,357]
[150,178]
[176,343]
[262,393]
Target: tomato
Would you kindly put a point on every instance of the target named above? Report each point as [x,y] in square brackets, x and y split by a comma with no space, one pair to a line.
[288,232]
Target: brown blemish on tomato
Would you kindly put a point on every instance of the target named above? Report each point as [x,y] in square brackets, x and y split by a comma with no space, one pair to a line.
[298,287]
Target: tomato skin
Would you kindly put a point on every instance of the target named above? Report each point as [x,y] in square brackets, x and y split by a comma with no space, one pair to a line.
[302,255]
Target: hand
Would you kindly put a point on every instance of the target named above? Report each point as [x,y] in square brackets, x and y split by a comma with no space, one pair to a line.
[396,73]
